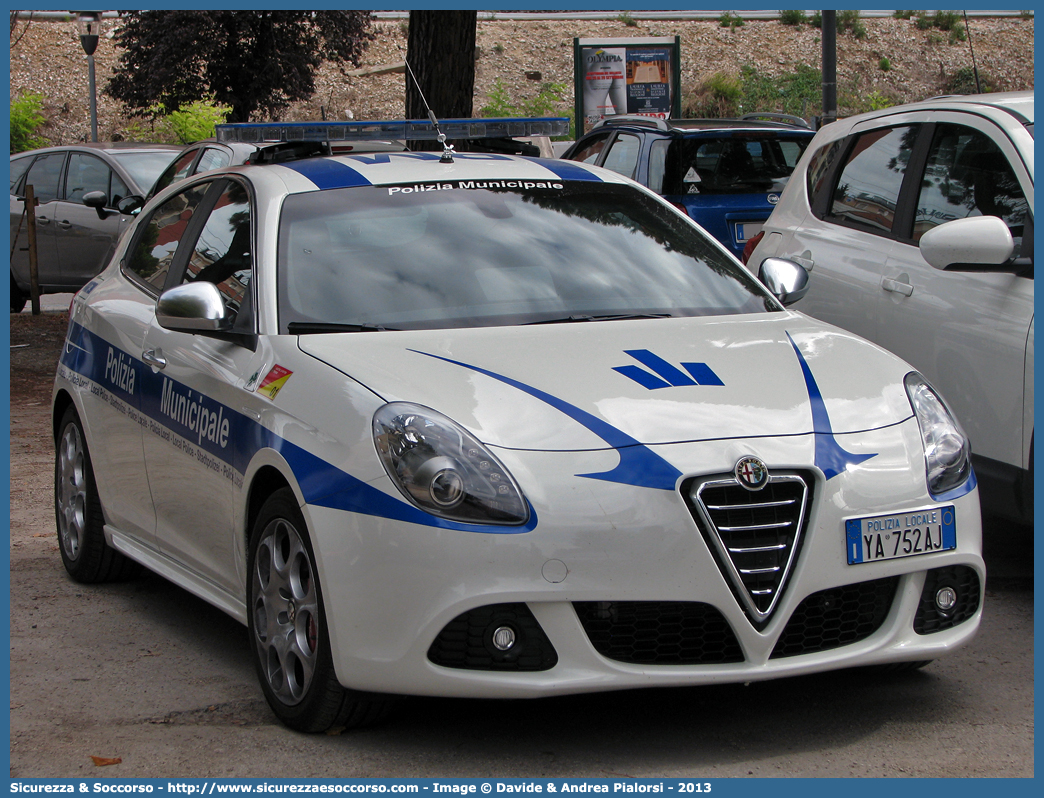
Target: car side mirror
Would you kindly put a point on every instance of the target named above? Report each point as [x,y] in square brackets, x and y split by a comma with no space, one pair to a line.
[98,200]
[973,244]
[192,308]
[786,281]
[130,205]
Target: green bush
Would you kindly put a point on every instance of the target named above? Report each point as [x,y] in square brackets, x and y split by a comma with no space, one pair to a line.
[718,96]
[189,123]
[878,101]
[947,21]
[885,65]
[799,92]
[547,102]
[499,104]
[903,14]
[792,16]
[963,82]
[730,20]
[848,21]
[196,121]
[26,120]
[627,20]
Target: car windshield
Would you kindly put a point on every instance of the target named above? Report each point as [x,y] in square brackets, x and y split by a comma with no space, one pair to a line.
[480,253]
[741,163]
[144,167]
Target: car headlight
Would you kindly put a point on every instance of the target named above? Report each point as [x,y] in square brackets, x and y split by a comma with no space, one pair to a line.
[443,469]
[947,455]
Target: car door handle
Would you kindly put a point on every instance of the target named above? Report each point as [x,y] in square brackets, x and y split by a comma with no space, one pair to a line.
[897,287]
[154,360]
[64,224]
[43,220]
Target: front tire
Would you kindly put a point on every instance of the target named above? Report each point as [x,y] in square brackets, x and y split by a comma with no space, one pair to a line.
[287,627]
[78,511]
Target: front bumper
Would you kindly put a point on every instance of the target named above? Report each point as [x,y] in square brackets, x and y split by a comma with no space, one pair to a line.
[606,560]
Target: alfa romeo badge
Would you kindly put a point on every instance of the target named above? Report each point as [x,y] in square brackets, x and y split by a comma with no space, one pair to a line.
[752,473]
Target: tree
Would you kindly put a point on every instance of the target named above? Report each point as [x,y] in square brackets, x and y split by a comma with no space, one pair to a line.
[256,62]
[441,52]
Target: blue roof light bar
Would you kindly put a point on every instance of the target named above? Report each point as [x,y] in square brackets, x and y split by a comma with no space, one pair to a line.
[405,130]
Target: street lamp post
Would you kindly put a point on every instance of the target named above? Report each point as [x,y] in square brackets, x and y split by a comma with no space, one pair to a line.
[89,24]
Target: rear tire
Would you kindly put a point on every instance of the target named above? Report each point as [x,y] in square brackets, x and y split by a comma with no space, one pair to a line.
[286,620]
[78,511]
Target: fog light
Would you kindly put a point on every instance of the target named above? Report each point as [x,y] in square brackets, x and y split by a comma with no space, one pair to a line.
[504,638]
[945,599]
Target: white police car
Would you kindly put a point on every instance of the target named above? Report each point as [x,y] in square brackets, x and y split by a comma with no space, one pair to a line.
[482,425]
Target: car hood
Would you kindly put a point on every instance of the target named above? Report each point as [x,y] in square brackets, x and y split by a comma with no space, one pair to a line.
[589,385]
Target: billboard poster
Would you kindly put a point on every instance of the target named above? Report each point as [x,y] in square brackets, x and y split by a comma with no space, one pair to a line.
[626,76]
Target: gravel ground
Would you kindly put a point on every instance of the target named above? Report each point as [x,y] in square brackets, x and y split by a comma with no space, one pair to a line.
[47,57]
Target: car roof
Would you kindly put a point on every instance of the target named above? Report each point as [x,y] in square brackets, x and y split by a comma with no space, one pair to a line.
[105,147]
[779,123]
[1016,106]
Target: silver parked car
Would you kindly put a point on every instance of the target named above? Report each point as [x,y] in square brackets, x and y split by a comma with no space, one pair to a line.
[916,225]
[86,195]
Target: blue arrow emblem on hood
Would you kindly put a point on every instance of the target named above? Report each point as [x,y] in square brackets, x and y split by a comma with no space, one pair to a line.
[638,466]
[830,457]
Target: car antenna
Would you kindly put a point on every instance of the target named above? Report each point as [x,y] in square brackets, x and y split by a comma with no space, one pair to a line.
[447,149]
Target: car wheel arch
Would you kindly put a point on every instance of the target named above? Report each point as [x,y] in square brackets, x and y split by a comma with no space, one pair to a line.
[61,402]
[265,480]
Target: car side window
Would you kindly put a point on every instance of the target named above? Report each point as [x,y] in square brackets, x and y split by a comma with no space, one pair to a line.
[212,158]
[119,190]
[623,155]
[222,253]
[44,175]
[86,173]
[868,190]
[968,175]
[818,173]
[159,236]
[790,152]
[18,168]
[178,170]
[658,164]
[591,150]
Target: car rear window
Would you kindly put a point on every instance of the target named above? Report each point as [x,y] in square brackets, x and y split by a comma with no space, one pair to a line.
[481,253]
[144,167]
[752,162]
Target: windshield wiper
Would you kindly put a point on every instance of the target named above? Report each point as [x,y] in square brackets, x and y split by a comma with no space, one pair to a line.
[605,317]
[319,327]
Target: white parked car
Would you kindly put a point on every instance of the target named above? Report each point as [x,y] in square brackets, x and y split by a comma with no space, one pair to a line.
[483,425]
[895,214]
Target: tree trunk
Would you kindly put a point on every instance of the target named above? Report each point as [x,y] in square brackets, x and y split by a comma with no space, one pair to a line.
[441,52]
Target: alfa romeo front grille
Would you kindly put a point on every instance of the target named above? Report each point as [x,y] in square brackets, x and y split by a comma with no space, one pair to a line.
[755,535]
[659,632]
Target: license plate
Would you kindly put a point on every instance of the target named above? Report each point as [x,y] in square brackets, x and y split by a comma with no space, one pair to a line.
[906,534]
[746,231]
